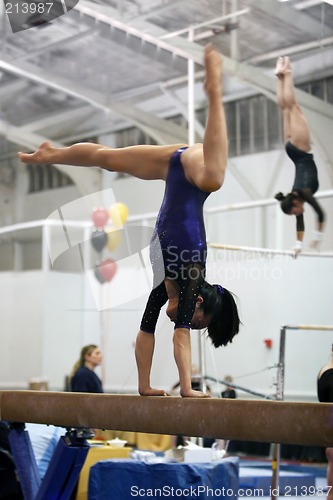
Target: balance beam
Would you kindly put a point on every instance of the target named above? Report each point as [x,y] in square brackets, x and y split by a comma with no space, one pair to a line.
[247,420]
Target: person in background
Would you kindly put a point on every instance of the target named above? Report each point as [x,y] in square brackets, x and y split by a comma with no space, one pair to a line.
[325,395]
[298,147]
[83,377]
[229,391]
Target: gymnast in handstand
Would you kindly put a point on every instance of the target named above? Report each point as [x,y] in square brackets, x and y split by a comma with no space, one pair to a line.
[178,246]
[298,147]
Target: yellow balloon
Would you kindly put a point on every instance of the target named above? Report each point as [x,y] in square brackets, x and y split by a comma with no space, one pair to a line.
[118,214]
[114,239]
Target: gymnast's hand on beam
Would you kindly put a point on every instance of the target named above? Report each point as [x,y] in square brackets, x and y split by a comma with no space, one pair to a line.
[194,394]
[153,392]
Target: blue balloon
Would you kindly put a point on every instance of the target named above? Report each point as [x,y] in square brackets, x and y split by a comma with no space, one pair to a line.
[99,239]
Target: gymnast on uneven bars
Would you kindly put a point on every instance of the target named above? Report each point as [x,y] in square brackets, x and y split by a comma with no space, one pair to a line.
[178,247]
[298,147]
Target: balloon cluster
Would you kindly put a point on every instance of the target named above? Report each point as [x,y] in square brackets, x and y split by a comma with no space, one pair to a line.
[107,237]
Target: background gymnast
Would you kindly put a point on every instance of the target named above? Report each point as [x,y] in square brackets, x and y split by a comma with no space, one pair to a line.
[298,147]
[178,247]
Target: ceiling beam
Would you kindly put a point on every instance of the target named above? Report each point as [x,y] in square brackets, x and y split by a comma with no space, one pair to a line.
[54,119]
[162,131]
[287,15]
[183,48]
[11,89]
[293,49]
[178,47]
[56,45]
[134,35]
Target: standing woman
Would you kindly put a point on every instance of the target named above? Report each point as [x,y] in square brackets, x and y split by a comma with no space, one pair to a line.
[298,147]
[83,377]
[178,248]
[325,395]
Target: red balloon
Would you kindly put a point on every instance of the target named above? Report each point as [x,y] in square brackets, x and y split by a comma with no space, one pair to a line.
[100,216]
[107,269]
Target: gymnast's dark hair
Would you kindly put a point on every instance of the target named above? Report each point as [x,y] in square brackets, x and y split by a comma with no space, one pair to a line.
[220,303]
[286,202]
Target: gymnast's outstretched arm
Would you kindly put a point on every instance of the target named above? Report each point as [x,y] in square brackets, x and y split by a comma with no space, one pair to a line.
[309,198]
[182,355]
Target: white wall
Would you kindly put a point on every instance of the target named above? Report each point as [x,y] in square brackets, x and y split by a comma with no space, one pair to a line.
[21,312]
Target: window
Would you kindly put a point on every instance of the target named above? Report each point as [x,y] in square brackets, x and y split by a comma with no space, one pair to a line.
[254,123]
[43,177]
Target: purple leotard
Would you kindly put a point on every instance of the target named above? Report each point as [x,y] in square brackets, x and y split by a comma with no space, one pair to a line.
[179,231]
[178,246]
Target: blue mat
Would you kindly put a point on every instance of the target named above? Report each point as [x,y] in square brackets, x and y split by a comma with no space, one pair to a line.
[126,479]
[291,483]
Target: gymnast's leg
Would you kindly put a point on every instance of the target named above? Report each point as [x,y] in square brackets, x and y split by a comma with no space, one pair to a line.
[295,125]
[205,164]
[281,99]
[143,161]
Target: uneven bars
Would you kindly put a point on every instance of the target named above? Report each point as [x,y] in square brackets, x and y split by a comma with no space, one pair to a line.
[268,251]
[309,327]
[240,388]
[282,349]
[258,203]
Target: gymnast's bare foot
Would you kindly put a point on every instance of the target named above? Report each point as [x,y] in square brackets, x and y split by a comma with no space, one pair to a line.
[213,65]
[194,394]
[279,67]
[42,155]
[287,65]
[282,66]
[153,392]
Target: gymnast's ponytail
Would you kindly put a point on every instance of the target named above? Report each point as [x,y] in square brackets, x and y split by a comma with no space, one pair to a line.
[279,196]
[286,202]
[220,304]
